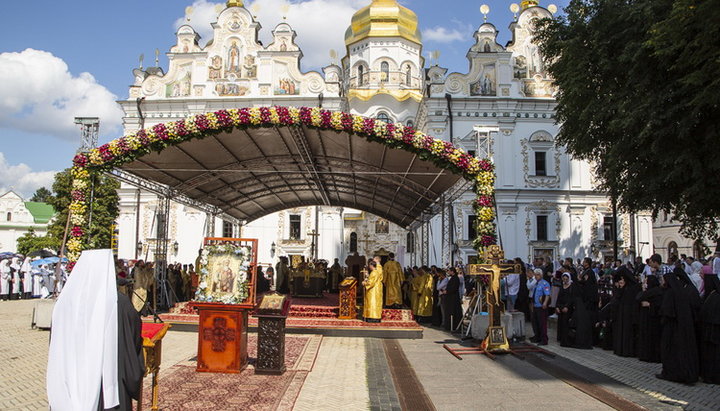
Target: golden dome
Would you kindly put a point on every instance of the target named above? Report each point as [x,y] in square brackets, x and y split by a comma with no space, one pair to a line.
[383,18]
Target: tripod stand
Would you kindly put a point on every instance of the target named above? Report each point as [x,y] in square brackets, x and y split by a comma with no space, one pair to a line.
[166,293]
[473,308]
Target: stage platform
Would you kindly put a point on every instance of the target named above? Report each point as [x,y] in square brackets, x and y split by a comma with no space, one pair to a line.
[315,316]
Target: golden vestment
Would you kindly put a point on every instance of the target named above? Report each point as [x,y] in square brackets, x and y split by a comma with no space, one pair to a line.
[392,277]
[372,307]
[424,303]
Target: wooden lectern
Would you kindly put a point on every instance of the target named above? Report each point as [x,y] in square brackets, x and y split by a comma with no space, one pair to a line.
[348,302]
[152,335]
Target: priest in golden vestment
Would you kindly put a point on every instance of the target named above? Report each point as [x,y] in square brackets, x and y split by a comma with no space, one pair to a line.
[372,304]
[423,289]
[392,277]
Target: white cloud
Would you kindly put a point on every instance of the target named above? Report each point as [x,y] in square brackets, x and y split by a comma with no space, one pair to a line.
[443,35]
[21,179]
[320,24]
[38,94]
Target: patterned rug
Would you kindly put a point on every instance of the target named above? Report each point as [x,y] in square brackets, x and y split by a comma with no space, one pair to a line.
[182,388]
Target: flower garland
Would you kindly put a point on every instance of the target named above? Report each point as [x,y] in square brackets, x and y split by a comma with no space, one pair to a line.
[395,135]
[241,292]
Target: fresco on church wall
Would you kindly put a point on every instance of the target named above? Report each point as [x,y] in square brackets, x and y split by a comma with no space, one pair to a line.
[249,66]
[215,68]
[230,89]
[232,61]
[181,86]
[520,67]
[284,84]
[485,86]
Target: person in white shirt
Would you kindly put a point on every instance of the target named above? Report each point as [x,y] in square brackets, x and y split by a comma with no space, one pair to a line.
[512,283]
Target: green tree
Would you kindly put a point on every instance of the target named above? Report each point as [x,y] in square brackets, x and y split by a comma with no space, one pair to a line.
[102,213]
[30,242]
[639,96]
[41,195]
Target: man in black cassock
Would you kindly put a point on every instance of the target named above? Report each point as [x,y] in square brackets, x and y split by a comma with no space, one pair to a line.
[679,350]
[650,326]
[626,313]
[453,306]
[131,361]
[710,323]
[585,302]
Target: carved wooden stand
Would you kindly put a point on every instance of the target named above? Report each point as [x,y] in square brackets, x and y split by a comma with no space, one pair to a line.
[272,312]
[348,304]
[152,349]
[222,337]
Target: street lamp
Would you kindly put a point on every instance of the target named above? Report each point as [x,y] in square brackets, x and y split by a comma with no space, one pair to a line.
[139,247]
[176,246]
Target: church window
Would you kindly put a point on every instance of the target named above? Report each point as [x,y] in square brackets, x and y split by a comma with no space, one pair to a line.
[383,116]
[472,227]
[294,227]
[408,75]
[542,227]
[410,123]
[353,242]
[9,216]
[384,71]
[227,229]
[540,163]
[361,75]
[608,228]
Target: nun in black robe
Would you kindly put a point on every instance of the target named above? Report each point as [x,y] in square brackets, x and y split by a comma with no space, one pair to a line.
[563,308]
[625,317]
[649,324]
[680,306]
[585,300]
[710,323]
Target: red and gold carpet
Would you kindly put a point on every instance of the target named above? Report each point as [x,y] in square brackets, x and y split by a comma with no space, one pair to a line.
[182,388]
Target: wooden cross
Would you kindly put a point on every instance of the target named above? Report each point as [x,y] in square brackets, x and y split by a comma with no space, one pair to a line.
[313,246]
[367,242]
[495,339]
[219,334]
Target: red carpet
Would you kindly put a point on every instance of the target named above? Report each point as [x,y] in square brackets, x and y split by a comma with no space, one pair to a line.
[181,388]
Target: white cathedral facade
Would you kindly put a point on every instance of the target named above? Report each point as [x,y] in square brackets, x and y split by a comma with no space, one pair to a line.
[502,107]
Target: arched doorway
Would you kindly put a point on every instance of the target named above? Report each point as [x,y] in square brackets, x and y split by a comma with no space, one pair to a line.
[250,162]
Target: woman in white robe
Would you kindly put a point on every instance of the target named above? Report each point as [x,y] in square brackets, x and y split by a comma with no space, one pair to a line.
[15,270]
[26,271]
[5,279]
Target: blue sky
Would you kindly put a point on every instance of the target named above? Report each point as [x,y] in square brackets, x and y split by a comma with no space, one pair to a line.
[83,53]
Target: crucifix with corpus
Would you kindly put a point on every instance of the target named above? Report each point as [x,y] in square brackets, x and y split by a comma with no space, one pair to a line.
[367,245]
[496,339]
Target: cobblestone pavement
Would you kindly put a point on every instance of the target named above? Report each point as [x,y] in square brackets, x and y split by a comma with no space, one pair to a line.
[338,380]
[479,383]
[383,396]
[639,375]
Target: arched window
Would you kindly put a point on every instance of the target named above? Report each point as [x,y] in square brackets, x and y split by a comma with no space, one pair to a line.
[410,123]
[353,242]
[361,74]
[672,249]
[9,216]
[382,116]
[408,75]
[384,71]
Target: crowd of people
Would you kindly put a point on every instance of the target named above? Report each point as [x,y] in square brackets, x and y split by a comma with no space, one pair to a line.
[659,312]
[24,278]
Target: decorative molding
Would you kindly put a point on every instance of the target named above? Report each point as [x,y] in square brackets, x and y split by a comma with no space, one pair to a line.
[539,181]
[545,207]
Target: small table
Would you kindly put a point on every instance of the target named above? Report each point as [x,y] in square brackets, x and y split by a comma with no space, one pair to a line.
[152,335]
[348,303]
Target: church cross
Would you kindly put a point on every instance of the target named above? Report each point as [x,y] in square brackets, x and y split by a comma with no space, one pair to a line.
[219,334]
[367,244]
[313,245]
[495,339]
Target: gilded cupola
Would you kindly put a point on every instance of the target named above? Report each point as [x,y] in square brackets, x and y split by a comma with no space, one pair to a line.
[383,18]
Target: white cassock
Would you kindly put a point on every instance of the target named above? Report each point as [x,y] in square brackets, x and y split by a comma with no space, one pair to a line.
[27,275]
[15,265]
[4,277]
[84,340]
[37,282]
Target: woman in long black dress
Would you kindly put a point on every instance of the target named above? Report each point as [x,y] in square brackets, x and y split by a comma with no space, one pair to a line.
[626,315]
[710,323]
[523,297]
[585,300]
[679,350]
[650,326]
[563,308]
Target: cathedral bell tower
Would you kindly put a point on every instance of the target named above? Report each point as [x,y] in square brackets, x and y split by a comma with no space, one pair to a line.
[384,65]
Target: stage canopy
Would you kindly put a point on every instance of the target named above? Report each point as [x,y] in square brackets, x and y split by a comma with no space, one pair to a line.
[249,173]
